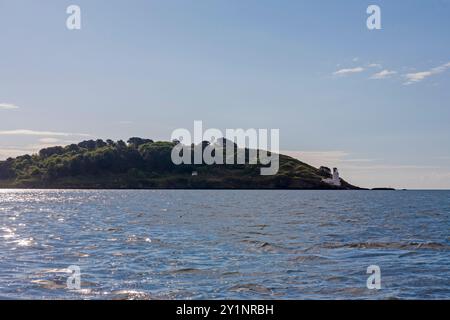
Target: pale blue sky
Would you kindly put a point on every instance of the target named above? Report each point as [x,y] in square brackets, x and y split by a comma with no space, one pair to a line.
[145,68]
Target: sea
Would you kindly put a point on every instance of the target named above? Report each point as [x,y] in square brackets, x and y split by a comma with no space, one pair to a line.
[224,244]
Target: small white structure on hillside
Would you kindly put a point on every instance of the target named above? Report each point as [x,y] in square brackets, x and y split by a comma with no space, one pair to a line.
[335,180]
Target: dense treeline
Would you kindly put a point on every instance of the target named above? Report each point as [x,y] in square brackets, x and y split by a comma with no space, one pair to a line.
[143,163]
[91,157]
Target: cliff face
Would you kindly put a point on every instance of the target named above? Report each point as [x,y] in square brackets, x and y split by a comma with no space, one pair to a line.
[144,164]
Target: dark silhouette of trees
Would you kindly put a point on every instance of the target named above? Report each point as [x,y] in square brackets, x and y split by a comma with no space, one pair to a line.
[48,152]
[136,142]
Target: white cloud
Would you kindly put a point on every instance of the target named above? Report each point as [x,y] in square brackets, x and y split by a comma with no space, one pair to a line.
[8,106]
[13,152]
[375,65]
[419,76]
[383,74]
[344,72]
[49,140]
[26,132]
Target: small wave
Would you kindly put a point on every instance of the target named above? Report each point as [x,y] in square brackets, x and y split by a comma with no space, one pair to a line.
[85,291]
[350,291]
[339,279]
[81,255]
[260,226]
[310,258]
[8,232]
[268,247]
[256,233]
[27,242]
[274,248]
[50,284]
[327,224]
[389,245]
[134,239]
[92,247]
[407,254]
[131,295]
[117,254]
[251,287]
[187,271]
[231,273]
[55,270]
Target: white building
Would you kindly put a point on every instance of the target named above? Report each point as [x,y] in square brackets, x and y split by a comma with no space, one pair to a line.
[335,180]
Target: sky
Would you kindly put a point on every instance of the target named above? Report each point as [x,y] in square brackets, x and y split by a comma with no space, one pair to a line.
[374,103]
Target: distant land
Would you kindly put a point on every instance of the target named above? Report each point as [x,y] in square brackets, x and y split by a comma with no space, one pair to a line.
[145,164]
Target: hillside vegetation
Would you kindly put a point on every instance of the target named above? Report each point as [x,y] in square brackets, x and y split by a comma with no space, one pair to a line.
[144,164]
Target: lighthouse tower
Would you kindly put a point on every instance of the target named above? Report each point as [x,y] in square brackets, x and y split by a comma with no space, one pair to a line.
[336,180]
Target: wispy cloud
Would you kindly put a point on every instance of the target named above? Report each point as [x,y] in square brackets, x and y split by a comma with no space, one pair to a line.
[7,152]
[318,158]
[375,65]
[359,160]
[15,151]
[416,77]
[329,158]
[8,106]
[26,132]
[343,72]
[383,74]
[49,140]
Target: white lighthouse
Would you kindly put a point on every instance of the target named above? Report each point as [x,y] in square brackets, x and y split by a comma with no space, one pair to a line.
[335,180]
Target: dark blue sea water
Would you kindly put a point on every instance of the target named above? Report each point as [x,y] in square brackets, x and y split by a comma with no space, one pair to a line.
[224,244]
